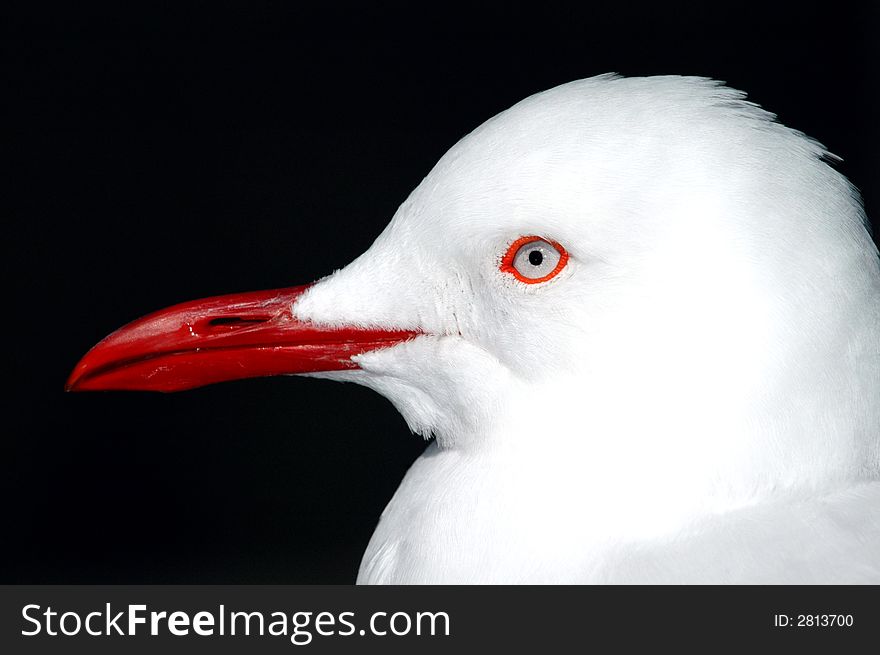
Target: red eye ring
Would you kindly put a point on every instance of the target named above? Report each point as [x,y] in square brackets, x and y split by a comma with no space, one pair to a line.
[508,259]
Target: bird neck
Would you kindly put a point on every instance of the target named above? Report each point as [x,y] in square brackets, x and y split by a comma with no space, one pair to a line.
[643,466]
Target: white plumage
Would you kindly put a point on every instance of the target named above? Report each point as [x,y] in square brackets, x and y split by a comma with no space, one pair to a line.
[694,398]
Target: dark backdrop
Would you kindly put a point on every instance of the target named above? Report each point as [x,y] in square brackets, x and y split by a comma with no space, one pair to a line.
[160,156]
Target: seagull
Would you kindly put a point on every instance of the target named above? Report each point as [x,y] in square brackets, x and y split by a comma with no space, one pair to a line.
[638,320]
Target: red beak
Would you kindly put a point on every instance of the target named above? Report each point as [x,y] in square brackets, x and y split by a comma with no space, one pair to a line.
[244,335]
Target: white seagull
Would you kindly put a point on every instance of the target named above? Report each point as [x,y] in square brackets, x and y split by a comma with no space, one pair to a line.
[641,321]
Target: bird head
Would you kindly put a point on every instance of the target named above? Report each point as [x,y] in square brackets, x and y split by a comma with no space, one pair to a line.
[628,278]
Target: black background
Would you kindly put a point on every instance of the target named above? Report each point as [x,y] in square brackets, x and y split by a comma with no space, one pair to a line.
[166,154]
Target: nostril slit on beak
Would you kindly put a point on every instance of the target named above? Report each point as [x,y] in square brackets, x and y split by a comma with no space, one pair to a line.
[235,320]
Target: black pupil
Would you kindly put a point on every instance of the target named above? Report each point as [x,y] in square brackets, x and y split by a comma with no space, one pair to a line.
[536,257]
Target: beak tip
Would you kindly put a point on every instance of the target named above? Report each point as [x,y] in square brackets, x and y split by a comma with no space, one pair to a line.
[78,379]
[72,383]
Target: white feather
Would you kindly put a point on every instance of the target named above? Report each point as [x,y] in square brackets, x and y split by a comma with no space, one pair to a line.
[695,398]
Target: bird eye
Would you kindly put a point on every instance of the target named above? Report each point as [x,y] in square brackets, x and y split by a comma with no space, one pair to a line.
[533,259]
